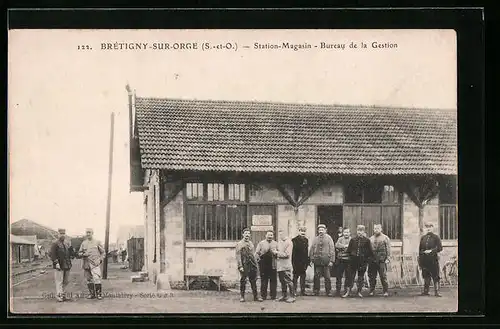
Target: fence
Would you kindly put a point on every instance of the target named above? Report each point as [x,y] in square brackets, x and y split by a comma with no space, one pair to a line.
[404,271]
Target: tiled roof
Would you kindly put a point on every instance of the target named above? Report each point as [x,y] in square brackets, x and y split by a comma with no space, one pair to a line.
[300,138]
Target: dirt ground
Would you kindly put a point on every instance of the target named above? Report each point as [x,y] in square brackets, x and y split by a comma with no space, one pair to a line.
[34,293]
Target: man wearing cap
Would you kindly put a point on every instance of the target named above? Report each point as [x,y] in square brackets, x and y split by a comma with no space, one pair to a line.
[93,254]
[381,245]
[322,255]
[266,258]
[61,255]
[428,259]
[360,253]
[247,265]
[300,260]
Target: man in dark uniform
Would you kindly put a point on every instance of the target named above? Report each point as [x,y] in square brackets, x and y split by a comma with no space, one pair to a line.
[300,260]
[61,254]
[267,265]
[247,265]
[428,260]
[360,252]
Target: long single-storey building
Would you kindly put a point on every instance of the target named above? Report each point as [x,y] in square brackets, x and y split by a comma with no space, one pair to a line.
[208,169]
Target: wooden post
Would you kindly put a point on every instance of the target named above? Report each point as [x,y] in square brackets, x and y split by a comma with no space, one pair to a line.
[108,205]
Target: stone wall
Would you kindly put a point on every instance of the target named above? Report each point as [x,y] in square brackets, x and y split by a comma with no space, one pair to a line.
[173,215]
[216,261]
[411,229]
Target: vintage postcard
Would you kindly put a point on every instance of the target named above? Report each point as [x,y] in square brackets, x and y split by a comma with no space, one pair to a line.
[232,171]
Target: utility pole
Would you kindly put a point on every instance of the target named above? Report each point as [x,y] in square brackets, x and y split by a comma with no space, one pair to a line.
[108,205]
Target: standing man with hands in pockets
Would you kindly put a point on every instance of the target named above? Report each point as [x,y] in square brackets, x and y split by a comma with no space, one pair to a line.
[247,265]
[381,245]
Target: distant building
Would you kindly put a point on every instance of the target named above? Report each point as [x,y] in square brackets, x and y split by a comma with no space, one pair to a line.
[22,249]
[126,232]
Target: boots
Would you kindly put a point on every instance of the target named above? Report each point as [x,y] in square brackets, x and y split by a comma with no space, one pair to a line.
[242,293]
[427,283]
[284,296]
[347,292]
[436,289]
[91,287]
[98,289]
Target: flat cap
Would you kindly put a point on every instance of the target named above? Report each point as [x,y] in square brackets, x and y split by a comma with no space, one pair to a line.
[321,226]
[61,230]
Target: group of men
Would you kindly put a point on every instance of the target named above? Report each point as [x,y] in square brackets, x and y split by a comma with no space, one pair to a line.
[288,259]
[92,254]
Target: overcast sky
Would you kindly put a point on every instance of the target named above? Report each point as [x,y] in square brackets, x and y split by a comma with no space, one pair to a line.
[60,100]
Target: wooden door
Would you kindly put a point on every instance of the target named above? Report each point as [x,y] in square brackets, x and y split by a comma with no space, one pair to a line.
[262,218]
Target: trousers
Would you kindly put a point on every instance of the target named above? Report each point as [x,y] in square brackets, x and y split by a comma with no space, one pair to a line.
[342,269]
[61,278]
[93,275]
[251,275]
[299,275]
[322,271]
[286,282]
[379,268]
[358,267]
[268,276]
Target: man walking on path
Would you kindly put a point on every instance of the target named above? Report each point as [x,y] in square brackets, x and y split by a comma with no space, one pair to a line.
[428,259]
[360,253]
[381,245]
[93,254]
[61,255]
[265,255]
[284,267]
[342,261]
[247,265]
[300,260]
[322,255]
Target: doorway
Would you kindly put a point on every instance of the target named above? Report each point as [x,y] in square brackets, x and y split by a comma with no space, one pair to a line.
[332,217]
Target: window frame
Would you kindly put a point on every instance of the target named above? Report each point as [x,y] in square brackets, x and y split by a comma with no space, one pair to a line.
[209,203]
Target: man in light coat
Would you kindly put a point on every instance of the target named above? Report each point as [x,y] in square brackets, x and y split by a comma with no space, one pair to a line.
[381,245]
[284,267]
[93,254]
[322,255]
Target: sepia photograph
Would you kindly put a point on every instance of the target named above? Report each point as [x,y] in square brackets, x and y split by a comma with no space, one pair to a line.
[232,171]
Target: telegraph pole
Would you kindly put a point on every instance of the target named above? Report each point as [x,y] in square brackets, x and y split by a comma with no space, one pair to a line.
[108,205]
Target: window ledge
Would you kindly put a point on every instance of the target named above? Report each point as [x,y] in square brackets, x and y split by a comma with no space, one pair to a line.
[211,244]
[396,243]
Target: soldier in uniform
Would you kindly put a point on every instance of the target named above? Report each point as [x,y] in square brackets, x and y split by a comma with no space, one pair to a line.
[284,267]
[61,254]
[93,254]
[430,246]
[300,260]
[381,245]
[247,265]
[342,261]
[265,255]
[360,253]
[322,255]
